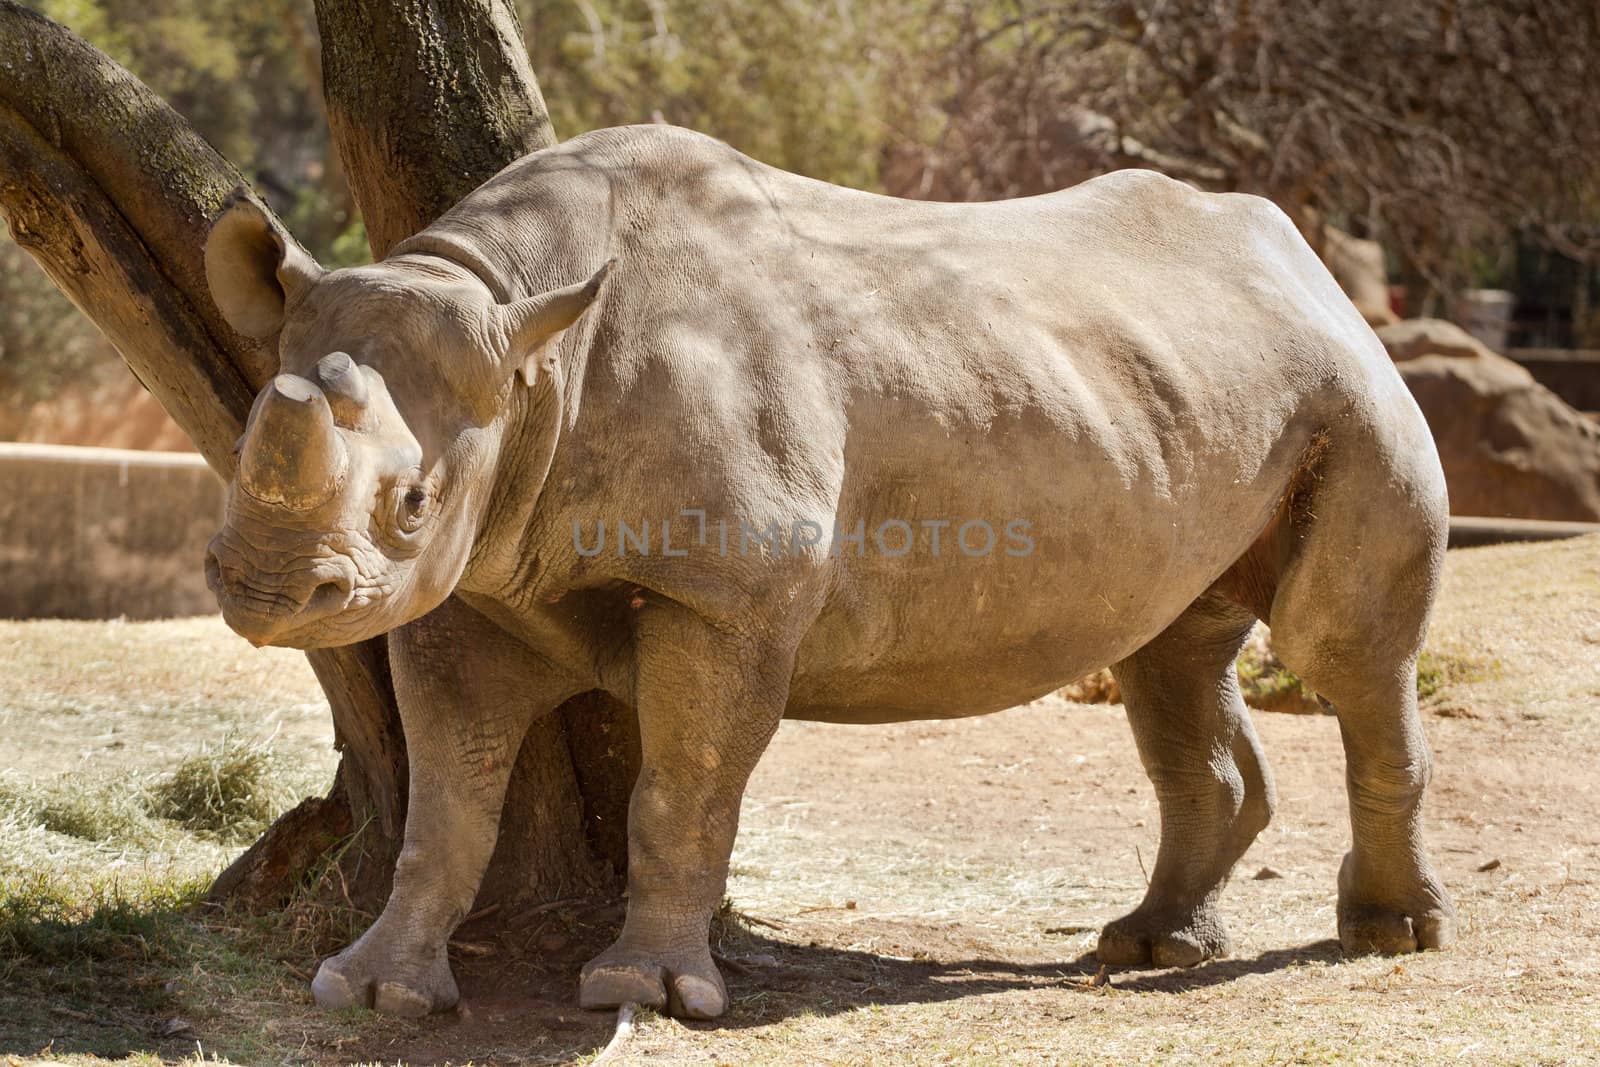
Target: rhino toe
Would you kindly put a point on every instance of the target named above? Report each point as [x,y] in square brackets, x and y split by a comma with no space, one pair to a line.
[684,984]
[357,978]
[1163,941]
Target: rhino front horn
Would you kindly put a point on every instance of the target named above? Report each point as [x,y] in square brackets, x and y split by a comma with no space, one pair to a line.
[292,453]
[346,389]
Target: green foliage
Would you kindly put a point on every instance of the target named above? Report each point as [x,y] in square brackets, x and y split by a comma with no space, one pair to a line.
[247,77]
[108,948]
[97,968]
[1418,129]
[795,83]
[1437,671]
[43,920]
[44,343]
[1267,684]
[242,73]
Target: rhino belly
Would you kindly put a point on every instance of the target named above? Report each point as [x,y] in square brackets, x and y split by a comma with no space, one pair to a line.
[917,637]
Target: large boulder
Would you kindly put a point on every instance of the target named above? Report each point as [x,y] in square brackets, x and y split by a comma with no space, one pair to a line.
[1358,266]
[1510,447]
[1430,337]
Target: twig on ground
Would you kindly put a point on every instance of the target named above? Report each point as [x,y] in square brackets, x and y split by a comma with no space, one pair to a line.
[731,964]
[613,1050]
[539,909]
[473,948]
[481,913]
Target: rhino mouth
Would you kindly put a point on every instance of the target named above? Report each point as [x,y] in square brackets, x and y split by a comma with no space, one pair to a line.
[273,609]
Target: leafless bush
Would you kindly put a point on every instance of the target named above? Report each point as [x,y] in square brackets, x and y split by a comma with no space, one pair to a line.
[1441,126]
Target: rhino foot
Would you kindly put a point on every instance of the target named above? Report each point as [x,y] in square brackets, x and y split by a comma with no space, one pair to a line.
[682,983]
[1164,940]
[1377,918]
[368,977]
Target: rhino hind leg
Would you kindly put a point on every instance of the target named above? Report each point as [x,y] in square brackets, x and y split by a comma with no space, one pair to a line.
[1348,617]
[1211,779]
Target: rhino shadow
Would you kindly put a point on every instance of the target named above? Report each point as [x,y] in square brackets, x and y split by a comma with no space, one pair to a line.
[513,1002]
[775,979]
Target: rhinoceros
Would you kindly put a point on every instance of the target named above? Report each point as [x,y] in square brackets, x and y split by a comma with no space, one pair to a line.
[643,415]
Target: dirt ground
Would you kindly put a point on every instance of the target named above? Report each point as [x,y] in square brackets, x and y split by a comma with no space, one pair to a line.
[930,892]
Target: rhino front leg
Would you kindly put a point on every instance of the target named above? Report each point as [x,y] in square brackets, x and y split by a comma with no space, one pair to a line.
[1200,750]
[708,703]
[467,692]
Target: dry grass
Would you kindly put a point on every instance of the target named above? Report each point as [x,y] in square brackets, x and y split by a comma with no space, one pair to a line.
[115,697]
[916,893]
[232,793]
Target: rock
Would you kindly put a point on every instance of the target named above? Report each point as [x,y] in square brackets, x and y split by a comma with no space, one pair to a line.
[1358,266]
[1429,337]
[1510,447]
[1267,874]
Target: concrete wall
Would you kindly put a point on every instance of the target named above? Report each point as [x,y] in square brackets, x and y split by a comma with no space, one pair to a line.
[94,533]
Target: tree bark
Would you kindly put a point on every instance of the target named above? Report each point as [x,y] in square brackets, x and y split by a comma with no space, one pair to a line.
[113,196]
[427,100]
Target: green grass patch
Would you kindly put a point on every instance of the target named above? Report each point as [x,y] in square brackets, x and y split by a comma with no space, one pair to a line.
[46,920]
[85,968]
[1269,685]
[76,808]
[1437,671]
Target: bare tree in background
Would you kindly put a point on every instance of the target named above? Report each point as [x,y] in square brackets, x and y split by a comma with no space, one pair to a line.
[1444,127]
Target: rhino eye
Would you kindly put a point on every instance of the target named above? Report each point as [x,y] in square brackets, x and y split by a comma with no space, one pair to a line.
[411,509]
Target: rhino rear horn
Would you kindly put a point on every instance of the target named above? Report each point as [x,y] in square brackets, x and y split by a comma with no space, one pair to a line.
[345,386]
[293,455]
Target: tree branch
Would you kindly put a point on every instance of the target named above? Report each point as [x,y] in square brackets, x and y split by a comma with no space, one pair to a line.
[84,244]
[161,176]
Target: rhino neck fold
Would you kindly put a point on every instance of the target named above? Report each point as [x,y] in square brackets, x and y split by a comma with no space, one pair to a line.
[501,554]
[458,254]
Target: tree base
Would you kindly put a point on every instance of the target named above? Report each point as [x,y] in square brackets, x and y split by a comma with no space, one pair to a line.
[269,871]
[563,833]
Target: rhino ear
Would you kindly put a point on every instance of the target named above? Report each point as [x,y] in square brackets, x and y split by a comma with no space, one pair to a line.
[528,325]
[254,267]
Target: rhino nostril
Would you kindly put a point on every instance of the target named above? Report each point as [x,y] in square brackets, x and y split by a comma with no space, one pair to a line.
[329,597]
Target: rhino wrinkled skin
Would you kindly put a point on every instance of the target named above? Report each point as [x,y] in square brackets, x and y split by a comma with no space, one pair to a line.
[1157,402]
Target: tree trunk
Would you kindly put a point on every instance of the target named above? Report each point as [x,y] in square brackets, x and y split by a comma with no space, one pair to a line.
[426,100]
